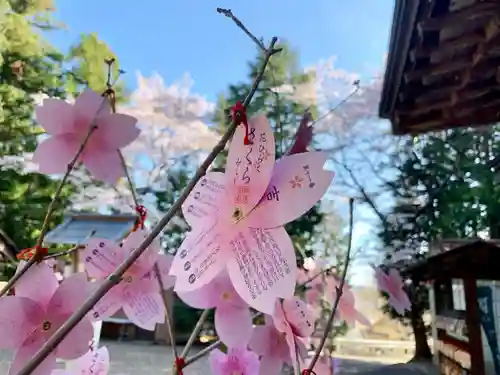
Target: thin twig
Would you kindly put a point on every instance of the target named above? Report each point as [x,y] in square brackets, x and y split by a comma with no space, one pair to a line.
[339,288]
[229,14]
[203,352]
[115,277]
[75,248]
[195,332]
[51,208]
[167,310]
[65,252]
[129,179]
[155,267]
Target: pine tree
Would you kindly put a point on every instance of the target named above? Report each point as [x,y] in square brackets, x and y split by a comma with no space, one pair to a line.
[29,66]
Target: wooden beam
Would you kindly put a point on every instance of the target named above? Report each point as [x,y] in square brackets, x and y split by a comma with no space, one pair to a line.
[471,13]
[440,69]
[445,48]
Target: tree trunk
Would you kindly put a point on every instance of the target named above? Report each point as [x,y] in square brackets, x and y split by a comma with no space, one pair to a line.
[422,350]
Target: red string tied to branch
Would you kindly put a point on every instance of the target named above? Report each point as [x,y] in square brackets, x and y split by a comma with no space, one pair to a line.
[37,251]
[239,115]
[308,372]
[180,363]
[142,213]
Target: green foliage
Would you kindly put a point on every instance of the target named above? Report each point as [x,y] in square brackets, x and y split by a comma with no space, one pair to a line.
[450,172]
[88,58]
[29,66]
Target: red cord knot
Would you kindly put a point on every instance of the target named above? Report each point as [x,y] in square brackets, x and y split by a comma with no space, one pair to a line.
[239,115]
[142,213]
[308,372]
[38,252]
[180,363]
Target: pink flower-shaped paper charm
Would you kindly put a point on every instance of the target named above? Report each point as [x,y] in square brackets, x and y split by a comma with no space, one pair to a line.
[238,218]
[69,124]
[92,363]
[325,365]
[393,285]
[346,309]
[293,318]
[238,361]
[30,318]
[138,293]
[272,347]
[233,320]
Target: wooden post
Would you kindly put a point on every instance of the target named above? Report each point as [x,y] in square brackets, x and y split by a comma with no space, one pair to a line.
[473,322]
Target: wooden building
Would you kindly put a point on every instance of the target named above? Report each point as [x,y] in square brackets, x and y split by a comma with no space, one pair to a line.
[464,287]
[443,65]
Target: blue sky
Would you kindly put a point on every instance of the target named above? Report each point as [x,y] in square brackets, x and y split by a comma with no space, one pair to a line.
[175,37]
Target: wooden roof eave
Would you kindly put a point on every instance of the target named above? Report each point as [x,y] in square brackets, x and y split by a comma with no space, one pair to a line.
[403,22]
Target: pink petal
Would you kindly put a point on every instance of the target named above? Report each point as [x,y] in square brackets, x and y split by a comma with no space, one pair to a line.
[101,361]
[205,297]
[147,259]
[217,360]
[270,365]
[202,262]
[203,202]
[164,263]
[249,361]
[55,153]
[249,168]
[117,130]
[361,319]
[268,266]
[55,116]
[110,303]
[76,343]
[395,277]
[297,184]
[104,165]
[400,302]
[234,326]
[70,295]
[101,257]
[193,240]
[260,341]
[299,316]
[144,309]
[29,285]
[381,278]
[279,318]
[19,316]
[88,105]
[27,351]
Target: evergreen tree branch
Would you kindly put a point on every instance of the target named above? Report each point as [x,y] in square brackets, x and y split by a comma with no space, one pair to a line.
[116,276]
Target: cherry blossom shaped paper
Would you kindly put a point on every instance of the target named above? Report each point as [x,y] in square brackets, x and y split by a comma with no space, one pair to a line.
[272,347]
[138,293]
[293,318]
[238,219]
[92,363]
[346,309]
[236,361]
[27,323]
[392,284]
[68,125]
[233,320]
